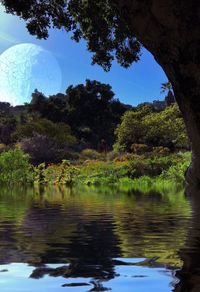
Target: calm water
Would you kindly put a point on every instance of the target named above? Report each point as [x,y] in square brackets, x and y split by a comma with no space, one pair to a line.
[75,240]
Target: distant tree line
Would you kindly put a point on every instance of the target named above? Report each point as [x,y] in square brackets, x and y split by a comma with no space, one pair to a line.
[90,110]
[88,116]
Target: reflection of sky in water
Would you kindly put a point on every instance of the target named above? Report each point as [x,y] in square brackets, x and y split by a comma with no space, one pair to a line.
[141,279]
[103,235]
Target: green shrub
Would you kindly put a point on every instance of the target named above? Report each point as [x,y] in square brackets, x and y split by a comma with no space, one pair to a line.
[90,154]
[112,155]
[68,174]
[139,168]
[145,126]
[150,166]
[2,147]
[126,157]
[160,150]
[40,174]
[15,167]
[176,172]
[140,148]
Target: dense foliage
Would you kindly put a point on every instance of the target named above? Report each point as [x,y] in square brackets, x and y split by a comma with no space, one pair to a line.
[148,135]
[144,126]
[87,121]
[130,170]
[90,110]
[15,167]
[59,132]
[107,33]
[116,29]
[7,126]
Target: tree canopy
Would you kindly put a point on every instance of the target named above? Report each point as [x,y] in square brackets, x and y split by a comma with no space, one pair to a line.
[59,132]
[169,29]
[145,126]
[107,32]
[90,110]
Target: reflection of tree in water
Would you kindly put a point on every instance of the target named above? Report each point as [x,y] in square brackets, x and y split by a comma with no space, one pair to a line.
[8,242]
[89,252]
[189,275]
[86,231]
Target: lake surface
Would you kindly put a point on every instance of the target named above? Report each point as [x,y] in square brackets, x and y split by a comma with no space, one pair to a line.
[61,239]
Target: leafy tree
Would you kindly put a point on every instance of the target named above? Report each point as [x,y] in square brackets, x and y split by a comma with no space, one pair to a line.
[131,130]
[7,126]
[118,30]
[106,32]
[15,167]
[54,108]
[166,87]
[41,149]
[92,106]
[165,128]
[38,102]
[4,107]
[90,109]
[59,132]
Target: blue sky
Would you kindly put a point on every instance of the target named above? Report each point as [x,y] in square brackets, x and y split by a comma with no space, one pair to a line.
[141,82]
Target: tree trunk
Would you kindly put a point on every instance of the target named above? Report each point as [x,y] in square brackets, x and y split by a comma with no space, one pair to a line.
[188,99]
[184,75]
[169,29]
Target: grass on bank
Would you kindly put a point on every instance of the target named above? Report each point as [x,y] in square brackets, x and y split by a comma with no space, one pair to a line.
[125,171]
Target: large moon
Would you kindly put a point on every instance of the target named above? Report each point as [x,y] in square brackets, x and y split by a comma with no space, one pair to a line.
[24,68]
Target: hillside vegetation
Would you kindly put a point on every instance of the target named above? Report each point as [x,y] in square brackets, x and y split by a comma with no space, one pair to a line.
[86,136]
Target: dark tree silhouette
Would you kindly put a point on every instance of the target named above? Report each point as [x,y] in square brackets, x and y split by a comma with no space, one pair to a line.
[90,109]
[169,29]
[167,89]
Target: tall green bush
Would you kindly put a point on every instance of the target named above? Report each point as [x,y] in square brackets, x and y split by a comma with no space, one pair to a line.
[15,167]
[141,126]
